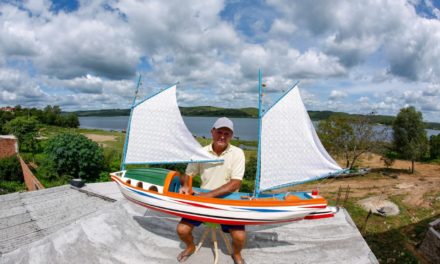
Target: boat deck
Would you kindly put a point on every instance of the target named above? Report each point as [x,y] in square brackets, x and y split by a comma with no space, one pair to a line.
[123,232]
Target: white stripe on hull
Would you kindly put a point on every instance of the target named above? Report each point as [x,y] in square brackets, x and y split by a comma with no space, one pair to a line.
[218,212]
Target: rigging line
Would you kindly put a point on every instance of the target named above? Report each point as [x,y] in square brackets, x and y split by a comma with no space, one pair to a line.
[258,173]
[127,132]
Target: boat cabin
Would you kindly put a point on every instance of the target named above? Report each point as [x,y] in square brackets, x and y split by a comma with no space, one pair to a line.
[153,179]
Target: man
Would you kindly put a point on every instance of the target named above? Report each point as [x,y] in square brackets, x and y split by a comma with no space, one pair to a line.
[220,179]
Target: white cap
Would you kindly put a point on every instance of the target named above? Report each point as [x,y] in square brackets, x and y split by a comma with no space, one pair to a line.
[224,122]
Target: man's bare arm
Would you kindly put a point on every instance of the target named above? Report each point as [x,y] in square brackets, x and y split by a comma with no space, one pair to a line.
[226,188]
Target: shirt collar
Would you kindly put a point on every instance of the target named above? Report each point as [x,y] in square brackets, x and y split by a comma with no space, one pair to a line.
[228,148]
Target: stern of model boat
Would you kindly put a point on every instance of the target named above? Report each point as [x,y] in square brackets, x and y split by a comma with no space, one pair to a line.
[157,180]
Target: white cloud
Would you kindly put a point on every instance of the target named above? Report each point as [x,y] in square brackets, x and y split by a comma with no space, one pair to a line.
[282,29]
[337,95]
[18,88]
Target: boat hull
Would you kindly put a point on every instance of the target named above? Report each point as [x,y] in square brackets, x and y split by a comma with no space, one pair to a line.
[225,211]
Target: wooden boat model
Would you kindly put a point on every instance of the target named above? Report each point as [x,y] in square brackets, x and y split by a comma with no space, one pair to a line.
[289,153]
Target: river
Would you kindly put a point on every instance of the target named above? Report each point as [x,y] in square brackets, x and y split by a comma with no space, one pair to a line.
[244,128]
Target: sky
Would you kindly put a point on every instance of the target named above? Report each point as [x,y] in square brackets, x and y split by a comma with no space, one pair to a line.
[350,56]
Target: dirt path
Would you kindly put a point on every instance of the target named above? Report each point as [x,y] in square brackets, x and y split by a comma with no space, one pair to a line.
[100,138]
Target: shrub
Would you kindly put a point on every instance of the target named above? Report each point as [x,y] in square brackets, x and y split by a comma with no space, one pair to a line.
[10,169]
[11,186]
[389,158]
[247,186]
[251,169]
[112,160]
[75,155]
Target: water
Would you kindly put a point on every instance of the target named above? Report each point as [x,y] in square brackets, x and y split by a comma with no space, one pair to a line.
[244,128]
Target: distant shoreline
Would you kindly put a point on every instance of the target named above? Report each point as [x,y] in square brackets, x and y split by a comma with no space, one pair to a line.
[250,112]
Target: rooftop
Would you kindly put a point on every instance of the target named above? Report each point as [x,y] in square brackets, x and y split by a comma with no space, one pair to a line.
[96,224]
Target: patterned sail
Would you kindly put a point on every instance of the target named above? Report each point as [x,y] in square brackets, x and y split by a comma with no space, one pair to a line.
[157,133]
[291,151]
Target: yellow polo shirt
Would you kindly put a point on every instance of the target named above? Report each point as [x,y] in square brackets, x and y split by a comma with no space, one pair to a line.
[216,174]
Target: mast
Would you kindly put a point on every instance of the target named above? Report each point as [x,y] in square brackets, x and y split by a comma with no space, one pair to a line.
[127,132]
[257,176]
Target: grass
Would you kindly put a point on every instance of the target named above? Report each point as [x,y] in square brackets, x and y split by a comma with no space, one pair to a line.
[11,186]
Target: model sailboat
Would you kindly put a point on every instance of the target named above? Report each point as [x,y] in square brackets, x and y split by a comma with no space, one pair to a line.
[289,153]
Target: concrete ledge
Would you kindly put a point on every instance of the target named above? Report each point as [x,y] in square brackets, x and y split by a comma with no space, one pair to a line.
[431,244]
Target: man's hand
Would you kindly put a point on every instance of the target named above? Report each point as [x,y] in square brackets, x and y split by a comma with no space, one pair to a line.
[184,190]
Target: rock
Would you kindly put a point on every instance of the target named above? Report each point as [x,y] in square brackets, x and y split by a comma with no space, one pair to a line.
[380,206]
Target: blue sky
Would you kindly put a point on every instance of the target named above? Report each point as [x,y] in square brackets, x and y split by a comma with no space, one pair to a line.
[351,56]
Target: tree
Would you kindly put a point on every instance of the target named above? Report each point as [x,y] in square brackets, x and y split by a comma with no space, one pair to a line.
[350,137]
[409,135]
[434,147]
[71,120]
[49,115]
[25,129]
[4,118]
[75,155]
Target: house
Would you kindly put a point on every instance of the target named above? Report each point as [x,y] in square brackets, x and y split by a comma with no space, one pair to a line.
[7,109]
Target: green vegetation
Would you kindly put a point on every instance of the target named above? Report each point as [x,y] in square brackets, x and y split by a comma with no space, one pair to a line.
[217,111]
[409,137]
[434,147]
[74,155]
[10,169]
[25,129]
[11,176]
[50,115]
[104,112]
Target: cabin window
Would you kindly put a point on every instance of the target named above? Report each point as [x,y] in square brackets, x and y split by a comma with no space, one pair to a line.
[153,188]
[128,181]
[140,185]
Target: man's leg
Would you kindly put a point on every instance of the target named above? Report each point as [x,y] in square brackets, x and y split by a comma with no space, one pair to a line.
[238,242]
[184,230]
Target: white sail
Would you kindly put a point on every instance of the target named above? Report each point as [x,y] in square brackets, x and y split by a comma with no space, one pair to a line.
[291,151]
[157,133]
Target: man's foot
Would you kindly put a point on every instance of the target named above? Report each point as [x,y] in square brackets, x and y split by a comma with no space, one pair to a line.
[238,259]
[184,255]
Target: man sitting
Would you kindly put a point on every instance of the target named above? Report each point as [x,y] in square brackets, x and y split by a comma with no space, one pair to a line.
[220,179]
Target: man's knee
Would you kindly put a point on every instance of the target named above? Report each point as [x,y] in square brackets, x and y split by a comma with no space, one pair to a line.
[184,229]
[238,235]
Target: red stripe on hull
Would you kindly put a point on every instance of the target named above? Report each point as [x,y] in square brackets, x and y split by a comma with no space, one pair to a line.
[199,205]
[317,206]
[320,216]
